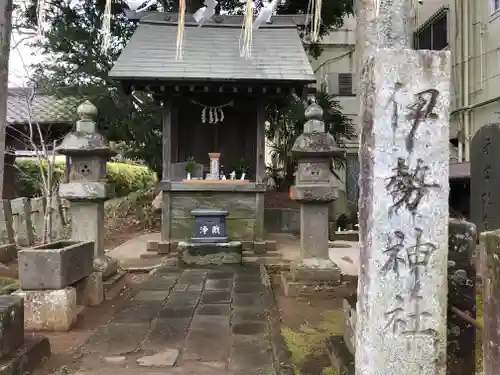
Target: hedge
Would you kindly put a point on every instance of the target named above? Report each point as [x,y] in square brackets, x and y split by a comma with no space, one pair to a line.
[124,178]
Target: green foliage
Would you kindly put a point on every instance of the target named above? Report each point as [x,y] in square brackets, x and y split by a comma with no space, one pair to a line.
[28,180]
[125,178]
[190,164]
[76,66]
[286,123]
[128,178]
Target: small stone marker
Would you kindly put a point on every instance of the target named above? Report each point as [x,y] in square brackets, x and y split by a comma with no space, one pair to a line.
[37,216]
[404,156]
[210,226]
[485,178]
[21,221]
[6,229]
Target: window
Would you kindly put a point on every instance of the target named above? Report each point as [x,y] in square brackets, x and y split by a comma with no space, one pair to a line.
[495,6]
[345,84]
[433,35]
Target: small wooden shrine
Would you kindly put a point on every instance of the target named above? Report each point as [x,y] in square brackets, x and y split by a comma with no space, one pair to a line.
[213,101]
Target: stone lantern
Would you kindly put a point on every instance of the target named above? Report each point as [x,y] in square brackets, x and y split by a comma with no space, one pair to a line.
[87,188]
[314,150]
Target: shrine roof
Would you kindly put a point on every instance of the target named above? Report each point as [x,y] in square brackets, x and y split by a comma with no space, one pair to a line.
[212,52]
[44,108]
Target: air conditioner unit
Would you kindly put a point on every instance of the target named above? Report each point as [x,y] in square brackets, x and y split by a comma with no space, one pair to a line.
[338,84]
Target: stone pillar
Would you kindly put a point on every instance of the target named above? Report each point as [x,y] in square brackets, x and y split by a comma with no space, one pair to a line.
[491,299]
[87,188]
[314,149]
[485,178]
[403,203]
[403,218]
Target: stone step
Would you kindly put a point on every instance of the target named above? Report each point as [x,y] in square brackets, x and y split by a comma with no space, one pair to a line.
[113,285]
[11,324]
[33,351]
[266,261]
[267,254]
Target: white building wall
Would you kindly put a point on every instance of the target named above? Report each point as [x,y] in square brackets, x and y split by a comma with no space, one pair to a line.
[478,54]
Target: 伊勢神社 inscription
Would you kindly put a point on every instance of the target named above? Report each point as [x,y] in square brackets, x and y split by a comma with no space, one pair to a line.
[408,186]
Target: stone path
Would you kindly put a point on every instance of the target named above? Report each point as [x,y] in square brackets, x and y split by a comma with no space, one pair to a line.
[343,253]
[192,322]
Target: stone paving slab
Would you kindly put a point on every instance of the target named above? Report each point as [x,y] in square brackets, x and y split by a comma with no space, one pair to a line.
[209,321]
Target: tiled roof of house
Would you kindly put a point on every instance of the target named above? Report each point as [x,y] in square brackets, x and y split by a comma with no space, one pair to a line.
[212,52]
[45,108]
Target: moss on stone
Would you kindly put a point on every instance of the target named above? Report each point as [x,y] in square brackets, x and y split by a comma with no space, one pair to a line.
[308,342]
[8,285]
[479,341]
[329,371]
[212,259]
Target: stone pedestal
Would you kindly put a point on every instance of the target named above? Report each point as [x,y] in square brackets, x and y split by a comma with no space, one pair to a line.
[90,291]
[57,309]
[314,150]
[49,310]
[88,189]
[204,254]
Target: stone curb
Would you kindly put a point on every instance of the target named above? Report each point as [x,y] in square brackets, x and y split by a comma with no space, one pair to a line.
[31,355]
[340,357]
[281,354]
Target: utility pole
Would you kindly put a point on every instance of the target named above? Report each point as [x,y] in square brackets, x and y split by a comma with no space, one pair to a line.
[5,32]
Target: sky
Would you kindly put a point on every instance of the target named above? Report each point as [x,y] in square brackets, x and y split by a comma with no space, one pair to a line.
[20,57]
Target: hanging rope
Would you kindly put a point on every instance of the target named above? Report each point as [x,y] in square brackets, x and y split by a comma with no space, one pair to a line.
[246,32]
[314,18]
[180,30]
[106,27]
[212,114]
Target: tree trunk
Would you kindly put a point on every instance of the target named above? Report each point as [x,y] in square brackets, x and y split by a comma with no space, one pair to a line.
[5,31]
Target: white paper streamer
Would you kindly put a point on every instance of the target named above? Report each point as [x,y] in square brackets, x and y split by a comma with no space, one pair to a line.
[203,14]
[265,14]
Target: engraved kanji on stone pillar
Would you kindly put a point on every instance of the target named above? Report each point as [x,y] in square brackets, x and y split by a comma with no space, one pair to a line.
[314,150]
[87,188]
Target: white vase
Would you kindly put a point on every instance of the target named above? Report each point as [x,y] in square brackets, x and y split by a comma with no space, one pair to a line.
[188,177]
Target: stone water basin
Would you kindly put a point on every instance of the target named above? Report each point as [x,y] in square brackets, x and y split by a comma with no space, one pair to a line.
[55,265]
